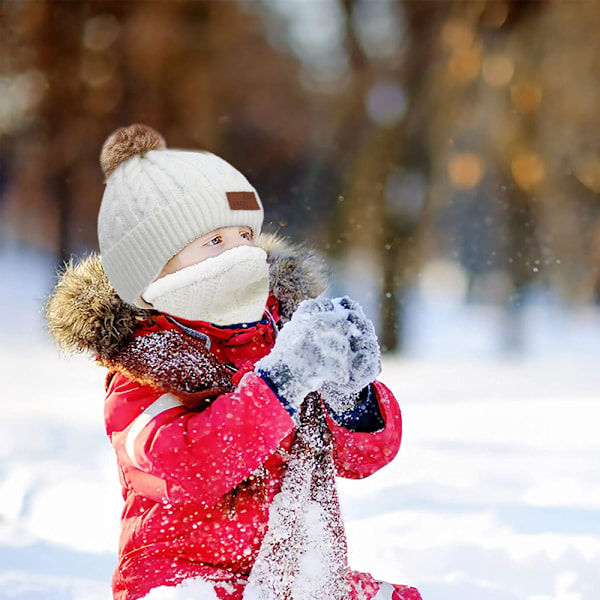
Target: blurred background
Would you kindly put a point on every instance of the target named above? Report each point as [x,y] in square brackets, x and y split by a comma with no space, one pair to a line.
[444,155]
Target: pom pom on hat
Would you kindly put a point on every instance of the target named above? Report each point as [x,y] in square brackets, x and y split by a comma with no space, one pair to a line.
[127,142]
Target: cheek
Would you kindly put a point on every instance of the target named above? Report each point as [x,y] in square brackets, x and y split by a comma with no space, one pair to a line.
[169,268]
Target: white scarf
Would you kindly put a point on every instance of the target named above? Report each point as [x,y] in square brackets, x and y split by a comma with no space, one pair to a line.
[226,289]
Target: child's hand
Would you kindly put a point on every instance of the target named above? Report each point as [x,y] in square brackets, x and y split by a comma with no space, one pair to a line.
[327,344]
[364,355]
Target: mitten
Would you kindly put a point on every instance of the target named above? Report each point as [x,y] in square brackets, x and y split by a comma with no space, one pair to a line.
[343,394]
[321,346]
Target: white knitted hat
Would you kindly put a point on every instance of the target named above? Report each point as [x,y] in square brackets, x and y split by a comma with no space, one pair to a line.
[157,201]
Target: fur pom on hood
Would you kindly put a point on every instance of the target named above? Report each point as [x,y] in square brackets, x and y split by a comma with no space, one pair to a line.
[85,314]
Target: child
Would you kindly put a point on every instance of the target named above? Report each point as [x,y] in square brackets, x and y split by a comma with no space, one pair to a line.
[234,394]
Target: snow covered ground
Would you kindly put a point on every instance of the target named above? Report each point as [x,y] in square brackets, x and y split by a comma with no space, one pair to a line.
[495,494]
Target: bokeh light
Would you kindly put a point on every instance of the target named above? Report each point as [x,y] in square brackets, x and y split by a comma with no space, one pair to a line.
[465,170]
[101,32]
[386,103]
[497,69]
[587,170]
[457,35]
[526,96]
[465,64]
[528,170]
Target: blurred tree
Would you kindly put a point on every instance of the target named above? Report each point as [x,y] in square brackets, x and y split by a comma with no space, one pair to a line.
[378,147]
[510,111]
[199,72]
[407,130]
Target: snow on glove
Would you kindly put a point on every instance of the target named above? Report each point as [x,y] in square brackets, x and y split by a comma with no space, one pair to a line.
[342,394]
[327,344]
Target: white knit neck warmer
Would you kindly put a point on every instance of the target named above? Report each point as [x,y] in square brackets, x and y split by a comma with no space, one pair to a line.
[227,289]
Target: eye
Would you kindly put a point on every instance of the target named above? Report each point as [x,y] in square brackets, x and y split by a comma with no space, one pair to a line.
[214,241]
[246,234]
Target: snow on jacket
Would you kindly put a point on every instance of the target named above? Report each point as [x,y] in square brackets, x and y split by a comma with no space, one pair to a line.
[201,455]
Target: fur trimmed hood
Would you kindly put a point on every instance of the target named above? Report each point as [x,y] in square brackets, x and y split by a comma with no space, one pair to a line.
[85,314]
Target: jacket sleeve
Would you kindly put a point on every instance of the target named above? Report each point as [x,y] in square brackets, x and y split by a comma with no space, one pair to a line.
[171,454]
[360,454]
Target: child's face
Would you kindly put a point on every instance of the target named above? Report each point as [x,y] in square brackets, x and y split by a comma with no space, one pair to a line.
[210,244]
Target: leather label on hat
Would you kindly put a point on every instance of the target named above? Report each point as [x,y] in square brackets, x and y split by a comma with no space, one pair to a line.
[242,201]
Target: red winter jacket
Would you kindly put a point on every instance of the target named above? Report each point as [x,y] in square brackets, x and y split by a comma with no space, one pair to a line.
[198,485]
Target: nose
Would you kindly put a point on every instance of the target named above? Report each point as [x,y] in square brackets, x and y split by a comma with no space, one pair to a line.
[234,241]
